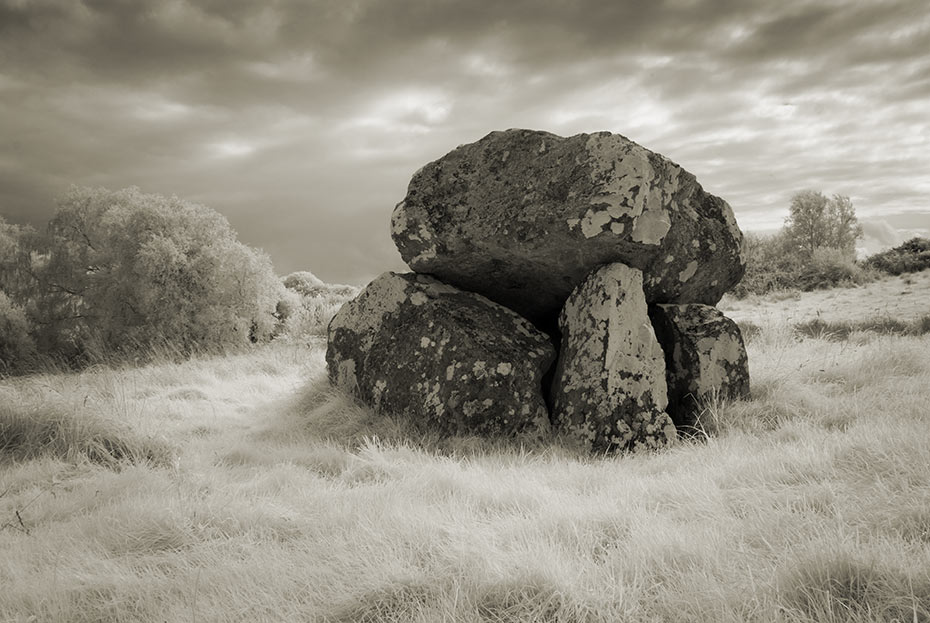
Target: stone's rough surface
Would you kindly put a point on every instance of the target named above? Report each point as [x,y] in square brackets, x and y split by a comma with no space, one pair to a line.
[609,388]
[523,217]
[704,356]
[451,361]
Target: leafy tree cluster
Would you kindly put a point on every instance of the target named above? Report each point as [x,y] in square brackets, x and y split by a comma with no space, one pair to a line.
[118,273]
[817,222]
[815,249]
[308,305]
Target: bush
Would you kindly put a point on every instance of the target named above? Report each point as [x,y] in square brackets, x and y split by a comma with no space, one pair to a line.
[17,348]
[911,257]
[124,272]
[770,266]
[303,282]
[287,306]
[305,316]
[829,268]
[773,265]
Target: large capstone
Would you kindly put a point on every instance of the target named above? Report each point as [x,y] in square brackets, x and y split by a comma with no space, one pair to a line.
[447,360]
[609,388]
[705,359]
[524,216]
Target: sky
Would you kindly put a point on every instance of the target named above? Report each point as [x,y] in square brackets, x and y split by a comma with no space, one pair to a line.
[302,121]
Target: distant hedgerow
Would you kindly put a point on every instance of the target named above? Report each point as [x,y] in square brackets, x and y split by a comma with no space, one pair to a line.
[911,257]
[773,265]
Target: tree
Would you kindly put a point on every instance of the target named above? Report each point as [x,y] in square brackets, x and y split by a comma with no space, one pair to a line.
[122,271]
[806,225]
[15,245]
[817,222]
[17,347]
[303,282]
[845,227]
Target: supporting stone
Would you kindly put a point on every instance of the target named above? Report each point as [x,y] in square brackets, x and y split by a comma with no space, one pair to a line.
[705,359]
[447,360]
[609,388]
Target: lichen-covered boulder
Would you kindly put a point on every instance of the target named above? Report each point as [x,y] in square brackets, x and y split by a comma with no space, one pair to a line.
[450,361]
[609,387]
[704,357]
[524,216]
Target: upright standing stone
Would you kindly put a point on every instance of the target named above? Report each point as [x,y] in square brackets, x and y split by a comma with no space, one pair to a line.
[523,217]
[449,361]
[704,357]
[609,388]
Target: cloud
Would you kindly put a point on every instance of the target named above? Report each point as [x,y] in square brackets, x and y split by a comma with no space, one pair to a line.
[882,234]
[303,120]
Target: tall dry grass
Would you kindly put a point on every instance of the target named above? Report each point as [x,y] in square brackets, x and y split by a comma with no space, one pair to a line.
[282,500]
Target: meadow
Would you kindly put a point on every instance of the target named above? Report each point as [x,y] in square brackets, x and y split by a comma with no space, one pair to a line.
[243,488]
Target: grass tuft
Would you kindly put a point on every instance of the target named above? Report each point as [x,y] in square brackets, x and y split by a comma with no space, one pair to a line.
[67,431]
[530,598]
[839,331]
[399,601]
[841,584]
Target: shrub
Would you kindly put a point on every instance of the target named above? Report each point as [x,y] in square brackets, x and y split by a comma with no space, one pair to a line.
[911,257]
[124,272]
[770,266]
[829,268]
[308,315]
[302,282]
[287,306]
[773,265]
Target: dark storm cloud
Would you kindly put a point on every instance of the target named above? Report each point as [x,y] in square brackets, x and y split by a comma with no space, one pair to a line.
[303,120]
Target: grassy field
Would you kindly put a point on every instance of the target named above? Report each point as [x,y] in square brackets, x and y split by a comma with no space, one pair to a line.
[244,489]
[904,298]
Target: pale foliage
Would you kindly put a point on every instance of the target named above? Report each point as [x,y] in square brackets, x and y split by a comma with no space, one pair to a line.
[308,315]
[126,270]
[302,281]
[308,305]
